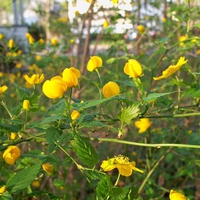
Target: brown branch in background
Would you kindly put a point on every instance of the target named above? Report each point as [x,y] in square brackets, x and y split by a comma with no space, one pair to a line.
[138,23]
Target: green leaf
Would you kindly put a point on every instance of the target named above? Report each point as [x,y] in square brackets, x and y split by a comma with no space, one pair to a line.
[103,188]
[85,151]
[192,92]
[129,113]
[49,120]
[58,108]
[94,174]
[154,96]
[117,193]
[58,183]
[52,136]
[23,179]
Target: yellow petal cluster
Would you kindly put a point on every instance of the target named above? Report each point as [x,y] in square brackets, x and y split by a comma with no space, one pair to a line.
[171,69]
[54,41]
[133,68]
[141,29]
[174,195]
[3,89]
[2,189]
[47,167]
[94,63]
[34,79]
[11,154]
[70,76]
[75,115]
[54,88]
[143,124]
[110,89]
[122,163]
[11,43]
[26,104]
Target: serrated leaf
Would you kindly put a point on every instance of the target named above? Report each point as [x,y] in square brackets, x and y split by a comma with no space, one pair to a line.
[23,179]
[85,151]
[49,120]
[192,92]
[103,188]
[94,174]
[129,113]
[58,108]
[52,136]
[117,193]
[154,96]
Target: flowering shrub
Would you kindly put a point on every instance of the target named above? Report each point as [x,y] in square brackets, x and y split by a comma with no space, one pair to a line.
[64,126]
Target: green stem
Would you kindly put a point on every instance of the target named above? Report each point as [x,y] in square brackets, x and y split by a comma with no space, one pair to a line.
[117,181]
[78,166]
[4,105]
[113,140]
[100,83]
[151,171]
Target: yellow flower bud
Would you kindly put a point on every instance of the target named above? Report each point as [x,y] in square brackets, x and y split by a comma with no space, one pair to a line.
[54,41]
[75,115]
[47,167]
[41,41]
[1,36]
[13,135]
[11,43]
[3,89]
[133,68]
[2,189]
[105,24]
[94,63]
[36,184]
[141,29]
[26,104]
[11,154]
[31,40]
[110,89]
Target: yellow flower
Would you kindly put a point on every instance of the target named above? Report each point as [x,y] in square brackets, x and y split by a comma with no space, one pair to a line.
[11,43]
[141,29]
[31,40]
[19,52]
[13,135]
[94,63]
[133,68]
[143,124]
[105,24]
[115,1]
[54,41]
[2,189]
[47,167]
[11,154]
[34,79]
[75,115]
[1,36]
[54,88]
[182,38]
[164,19]
[1,74]
[3,89]
[18,65]
[122,163]
[36,183]
[171,69]
[28,35]
[41,41]
[176,196]
[71,76]
[198,52]
[38,57]
[110,89]
[26,104]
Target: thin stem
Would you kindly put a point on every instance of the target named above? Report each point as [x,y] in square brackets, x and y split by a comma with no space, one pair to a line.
[117,181]
[151,171]
[78,166]
[113,140]
[100,83]
[8,111]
